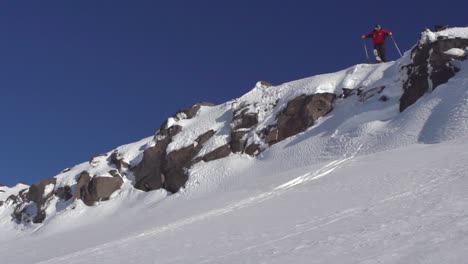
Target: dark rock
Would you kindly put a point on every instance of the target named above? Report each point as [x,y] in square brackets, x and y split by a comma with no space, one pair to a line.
[238,140]
[252,150]
[241,124]
[64,193]
[148,173]
[177,163]
[66,170]
[369,93]
[13,199]
[302,112]
[191,112]
[202,139]
[159,169]
[346,92]
[175,166]
[95,189]
[114,173]
[37,193]
[100,189]
[40,194]
[383,98]
[429,68]
[118,163]
[244,119]
[270,135]
[2,185]
[264,84]
[218,153]
[95,159]
[82,184]
[17,199]
[438,28]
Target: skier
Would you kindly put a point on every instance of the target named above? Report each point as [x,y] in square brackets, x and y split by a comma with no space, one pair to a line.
[378,38]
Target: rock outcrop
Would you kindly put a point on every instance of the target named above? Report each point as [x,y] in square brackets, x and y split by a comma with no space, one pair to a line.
[33,203]
[430,67]
[148,173]
[218,153]
[242,123]
[302,112]
[159,169]
[96,189]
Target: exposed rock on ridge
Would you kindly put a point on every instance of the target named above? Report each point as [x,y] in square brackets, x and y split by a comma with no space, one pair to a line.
[430,67]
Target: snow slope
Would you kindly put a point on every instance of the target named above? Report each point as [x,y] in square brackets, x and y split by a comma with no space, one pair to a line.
[366,184]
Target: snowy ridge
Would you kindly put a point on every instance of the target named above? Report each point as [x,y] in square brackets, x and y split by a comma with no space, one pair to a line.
[365,183]
[6,192]
[456,32]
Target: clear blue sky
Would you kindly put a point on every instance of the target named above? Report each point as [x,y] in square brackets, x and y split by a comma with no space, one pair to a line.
[79,78]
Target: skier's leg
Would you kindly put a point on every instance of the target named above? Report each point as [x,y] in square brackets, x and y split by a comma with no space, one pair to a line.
[381,50]
[376,53]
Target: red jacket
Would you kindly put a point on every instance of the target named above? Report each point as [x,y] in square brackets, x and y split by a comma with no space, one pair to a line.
[378,36]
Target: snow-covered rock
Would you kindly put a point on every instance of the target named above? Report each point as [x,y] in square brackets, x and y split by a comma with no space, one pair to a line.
[431,63]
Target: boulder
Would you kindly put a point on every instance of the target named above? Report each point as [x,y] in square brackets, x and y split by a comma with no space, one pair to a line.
[64,193]
[253,150]
[218,153]
[81,185]
[100,189]
[94,189]
[302,112]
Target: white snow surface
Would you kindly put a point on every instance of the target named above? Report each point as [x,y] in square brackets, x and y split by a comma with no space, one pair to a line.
[457,52]
[6,191]
[454,32]
[366,184]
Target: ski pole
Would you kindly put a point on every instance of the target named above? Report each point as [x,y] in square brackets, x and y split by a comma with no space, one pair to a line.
[396,46]
[365,49]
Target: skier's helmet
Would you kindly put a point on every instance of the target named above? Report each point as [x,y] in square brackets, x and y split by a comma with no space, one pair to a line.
[377,27]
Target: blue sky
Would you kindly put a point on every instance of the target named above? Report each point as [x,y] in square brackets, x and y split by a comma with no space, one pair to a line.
[79,78]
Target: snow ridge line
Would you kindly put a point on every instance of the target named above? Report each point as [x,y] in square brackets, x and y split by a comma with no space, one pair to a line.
[321,172]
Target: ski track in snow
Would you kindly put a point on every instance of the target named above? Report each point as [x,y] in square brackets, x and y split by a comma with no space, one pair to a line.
[348,213]
[321,172]
[306,226]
